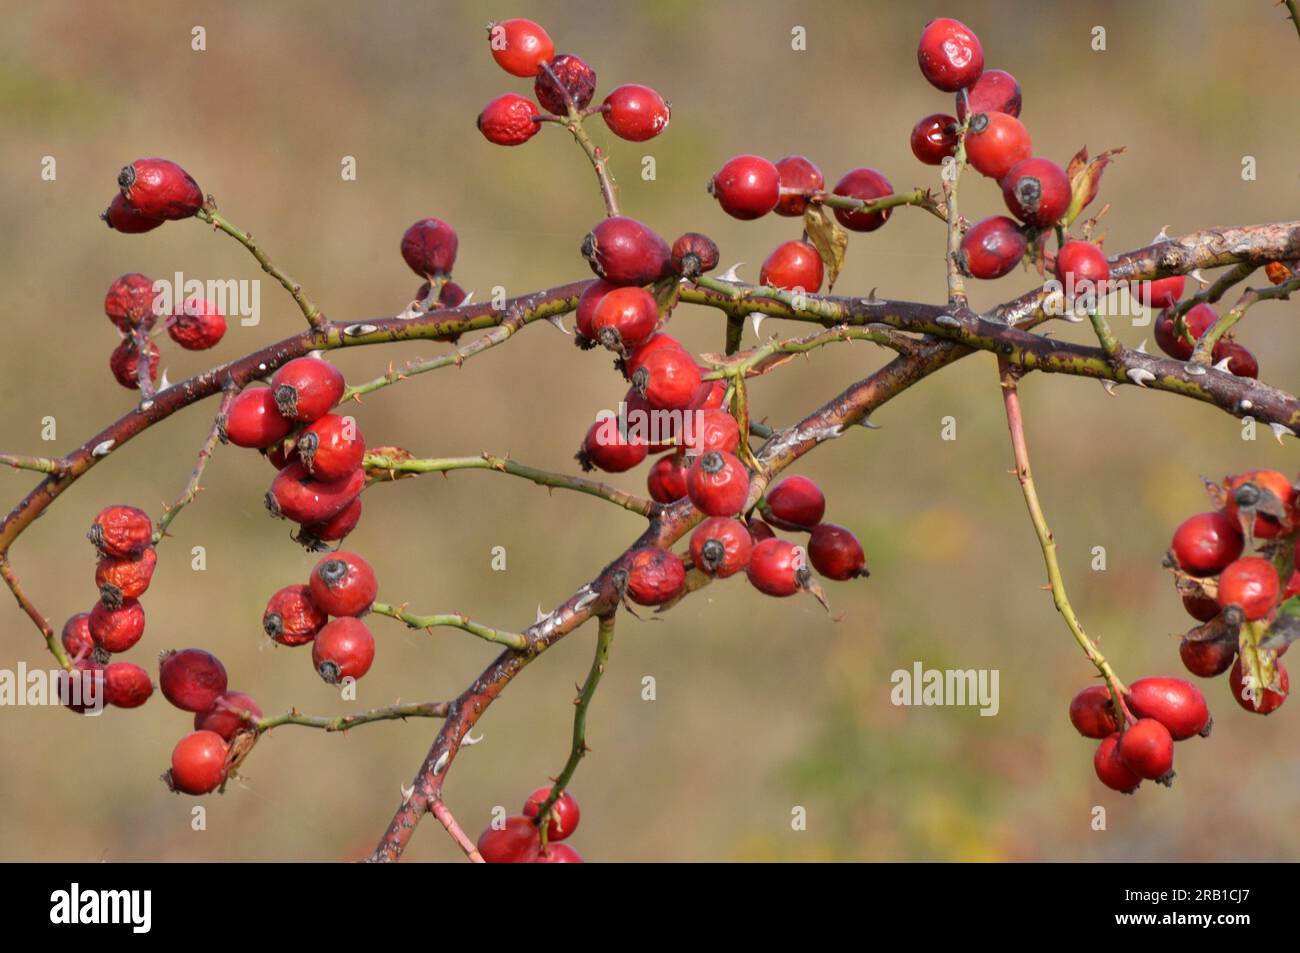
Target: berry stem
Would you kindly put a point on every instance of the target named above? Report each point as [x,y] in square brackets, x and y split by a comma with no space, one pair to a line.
[767,357]
[51,638]
[920,198]
[21,461]
[309,310]
[579,749]
[344,722]
[951,177]
[143,370]
[1015,423]
[444,816]
[599,161]
[1251,296]
[205,453]
[452,620]
[1105,336]
[1211,294]
[392,466]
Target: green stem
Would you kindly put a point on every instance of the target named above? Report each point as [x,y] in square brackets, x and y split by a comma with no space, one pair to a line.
[205,453]
[1205,346]
[20,461]
[309,310]
[344,722]
[52,640]
[956,284]
[596,155]
[920,198]
[452,620]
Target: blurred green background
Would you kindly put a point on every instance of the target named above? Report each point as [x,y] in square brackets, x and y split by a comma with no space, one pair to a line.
[762,705]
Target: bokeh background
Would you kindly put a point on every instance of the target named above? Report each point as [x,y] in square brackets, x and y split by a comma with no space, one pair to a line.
[762,705]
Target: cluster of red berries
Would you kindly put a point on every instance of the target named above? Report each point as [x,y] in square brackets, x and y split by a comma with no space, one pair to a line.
[196,325]
[1177,336]
[1137,742]
[195,681]
[1239,600]
[150,192]
[429,247]
[522,48]
[519,839]
[342,585]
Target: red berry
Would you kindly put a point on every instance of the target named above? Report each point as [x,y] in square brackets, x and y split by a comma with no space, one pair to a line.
[331,447]
[518,841]
[222,719]
[130,301]
[82,689]
[1148,749]
[996,91]
[127,578]
[1092,712]
[636,113]
[429,248]
[564,813]
[295,495]
[1240,361]
[710,396]
[509,120]
[343,649]
[343,584]
[1250,583]
[575,77]
[693,254]
[625,318]
[759,531]
[746,187]
[1199,607]
[992,248]
[253,420]
[198,763]
[626,252]
[124,362]
[949,54]
[654,576]
[718,484]
[798,176]
[520,46]
[1111,769]
[721,546]
[306,388]
[660,341]
[558,854]
[995,142]
[197,326]
[1209,658]
[315,535]
[159,188]
[794,503]
[794,266]
[122,532]
[116,630]
[607,448]
[711,428]
[76,636]
[863,184]
[121,217]
[588,301]
[1175,703]
[1161,293]
[666,480]
[191,679]
[934,138]
[836,553]
[1205,543]
[291,617]
[1081,267]
[1037,191]
[1197,321]
[126,685]
[1260,703]
[668,378]
[778,568]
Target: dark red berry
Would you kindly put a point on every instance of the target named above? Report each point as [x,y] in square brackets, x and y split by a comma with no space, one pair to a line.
[130,301]
[794,503]
[636,113]
[1037,191]
[836,553]
[1092,712]
[127,578]
[693,254]
[343,584]
[778,568]
[124,362]
[995,142]
[1111,769]
[1200,607]
[798,176]
[934,138]
[746,187]
[625,318]
[1148,749]
[626,252]
[1260,702]
[711,428]
[1175,703]
[198,325]
[759,531]
[126,685]
[1206,543]
[76,636]
[1081,267]
[669,378]
[159,188]
[331,447]
[121,217]
[1240,361]
[291,617]
[82,689]
[564,813]
[718,484]
[343,649]
[429,248]
[509,120]
[1250,583]
[575,78]
[122,532]
[337,527]
[1161,293]
[654,576]
[222,717]
[558,854]
[1196,321]
[306,388]
[863,184]
[520,46]
[721,546]
[191,679]
[794,266]
[666,480]
[949,54]
[296,496]
[517,841]
[996,91]
[253,419]
[198,763]
[992,248]
[1208,658]
[607,448]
